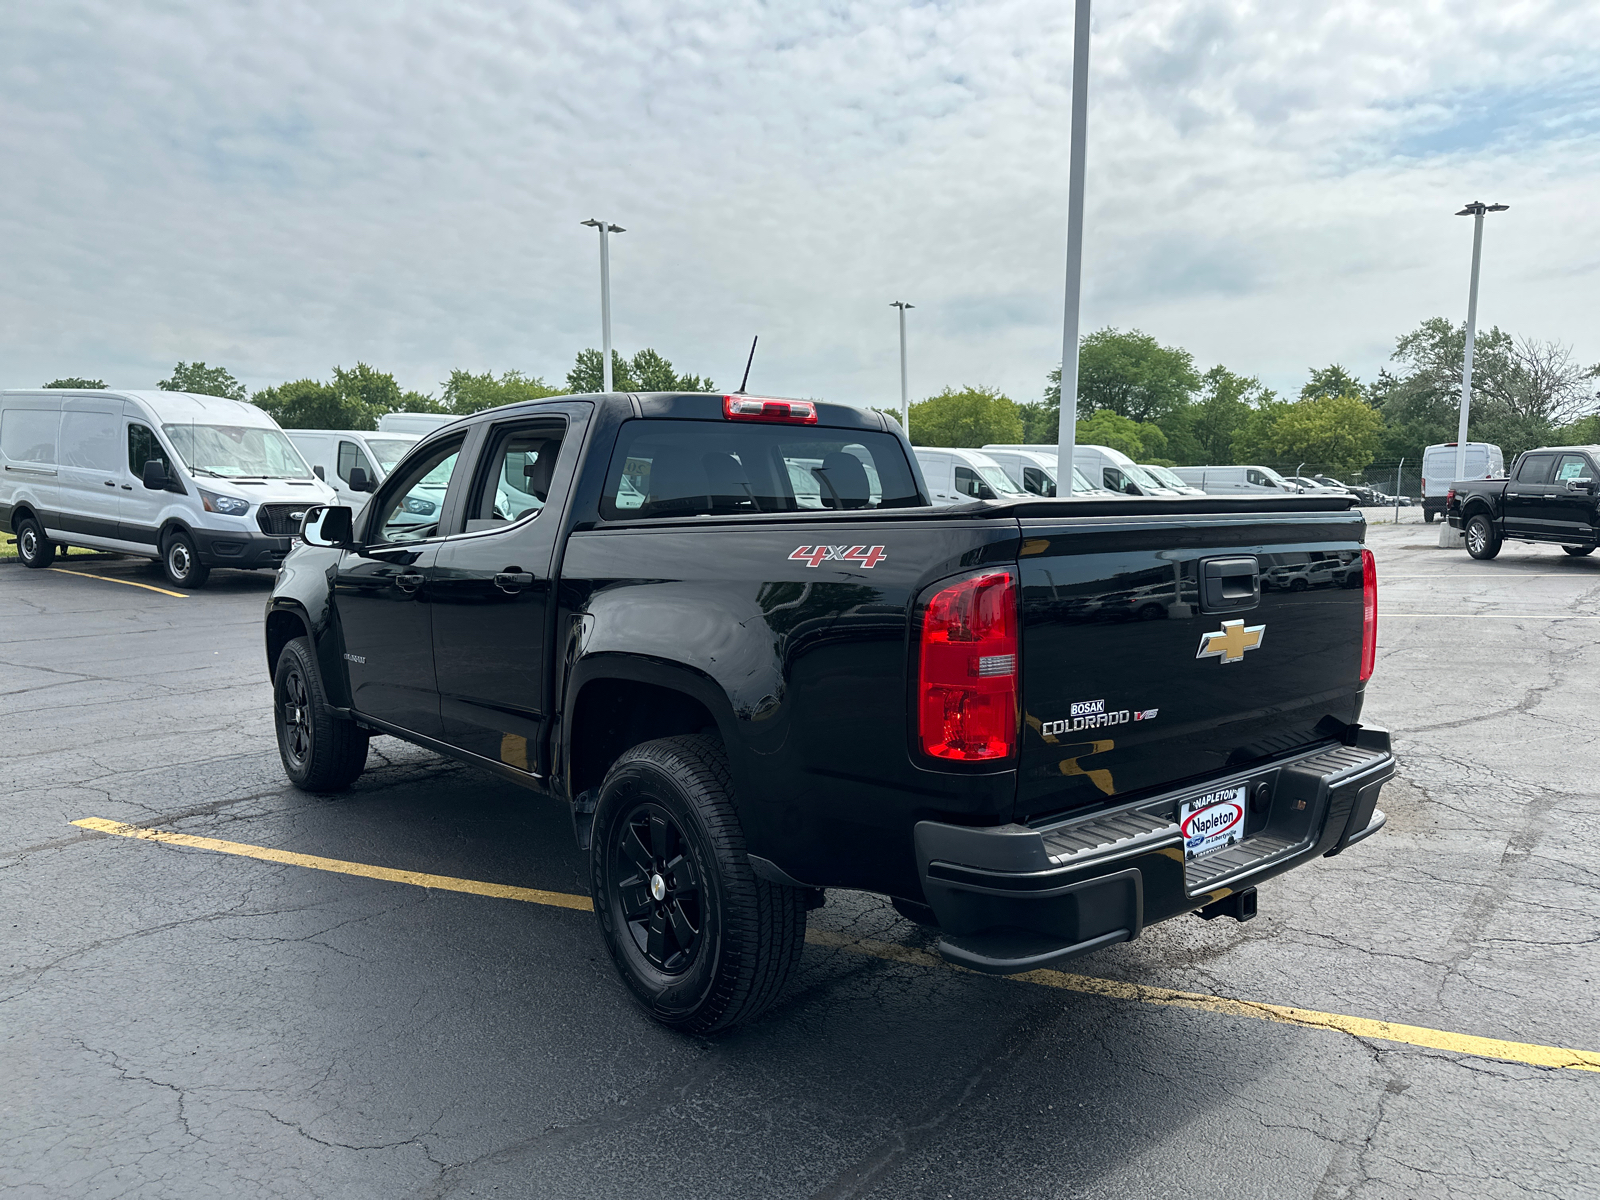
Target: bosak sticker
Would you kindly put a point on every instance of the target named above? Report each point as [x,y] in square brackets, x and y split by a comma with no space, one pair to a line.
[1212,822]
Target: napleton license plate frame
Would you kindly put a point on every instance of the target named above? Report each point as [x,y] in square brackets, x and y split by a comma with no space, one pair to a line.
[1213,821]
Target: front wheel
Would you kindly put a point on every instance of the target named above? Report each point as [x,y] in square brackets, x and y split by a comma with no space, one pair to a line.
[33,548]
[1578,551]
[321,752]
[700,940]
[182,562]
[1482,540]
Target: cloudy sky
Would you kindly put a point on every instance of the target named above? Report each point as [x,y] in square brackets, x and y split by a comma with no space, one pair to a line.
[279,187]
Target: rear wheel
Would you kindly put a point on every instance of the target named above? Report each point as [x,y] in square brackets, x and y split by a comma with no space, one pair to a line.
[1428,515]
[321,752]
[1482,540]
[33,548]
[182,562]
[1578,551]
[701,941]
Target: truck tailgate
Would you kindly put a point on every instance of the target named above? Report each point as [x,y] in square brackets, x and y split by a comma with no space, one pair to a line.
[1156,656]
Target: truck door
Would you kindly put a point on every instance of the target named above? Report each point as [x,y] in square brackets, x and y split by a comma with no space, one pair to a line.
[492,589]
[1526,502]
[381,595]
[1570,506]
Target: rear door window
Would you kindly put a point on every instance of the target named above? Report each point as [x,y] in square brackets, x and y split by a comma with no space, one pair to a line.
[1535,468]
[1572,466]
[514,479]
[700,468]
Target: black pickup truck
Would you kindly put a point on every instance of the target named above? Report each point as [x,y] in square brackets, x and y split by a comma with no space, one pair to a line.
[1548,496]
[734,636]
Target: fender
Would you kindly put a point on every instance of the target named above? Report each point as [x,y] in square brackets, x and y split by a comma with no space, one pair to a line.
[303,593]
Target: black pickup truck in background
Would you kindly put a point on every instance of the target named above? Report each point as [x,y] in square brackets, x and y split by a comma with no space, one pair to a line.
[736,639]
[1548,496]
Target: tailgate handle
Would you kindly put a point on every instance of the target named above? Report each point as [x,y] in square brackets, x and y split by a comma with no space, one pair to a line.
[1229,583]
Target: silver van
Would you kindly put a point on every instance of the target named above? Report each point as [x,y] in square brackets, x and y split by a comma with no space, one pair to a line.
[193,482]
[352,461]
[1034,470]
[959,476]
[1236,481]
[1484,461]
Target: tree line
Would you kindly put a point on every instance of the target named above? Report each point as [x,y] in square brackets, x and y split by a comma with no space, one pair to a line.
[1152,403]
[356,397]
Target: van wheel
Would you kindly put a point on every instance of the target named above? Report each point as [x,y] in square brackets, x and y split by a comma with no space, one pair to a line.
[1428,515]
[1578,551]
[33,548]
[1482,541]
[181,561]
[701,942]
[320,752]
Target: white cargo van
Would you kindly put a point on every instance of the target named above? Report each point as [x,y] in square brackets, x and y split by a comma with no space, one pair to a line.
[1167,477]
[1484,461]
[1107,468]
[420,424]
[193,482]
[1034,471]
[958,476]
[1236,481]
[352,461]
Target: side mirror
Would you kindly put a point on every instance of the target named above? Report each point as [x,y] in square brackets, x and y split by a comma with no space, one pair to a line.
[328,525]
[1581,485]
[155,475]
[320,474]
[359,481]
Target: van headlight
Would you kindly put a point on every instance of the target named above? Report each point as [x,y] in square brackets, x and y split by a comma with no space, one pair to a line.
[228,506]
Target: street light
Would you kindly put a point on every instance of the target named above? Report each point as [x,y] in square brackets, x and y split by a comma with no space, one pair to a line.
[605,296]
[905,394]
[1068,435]
[1475,210]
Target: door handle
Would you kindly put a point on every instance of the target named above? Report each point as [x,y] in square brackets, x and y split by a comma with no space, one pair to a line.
[109,483]
[127,487]
[409,582]
[512,580]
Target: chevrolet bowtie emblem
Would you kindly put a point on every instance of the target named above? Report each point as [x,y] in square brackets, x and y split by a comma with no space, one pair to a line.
[1231,641]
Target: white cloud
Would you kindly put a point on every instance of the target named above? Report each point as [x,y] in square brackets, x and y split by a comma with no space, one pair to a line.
[281,187]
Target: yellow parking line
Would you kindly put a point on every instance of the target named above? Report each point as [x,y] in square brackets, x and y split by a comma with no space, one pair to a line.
[125,582]
[501,891]
[1116,989]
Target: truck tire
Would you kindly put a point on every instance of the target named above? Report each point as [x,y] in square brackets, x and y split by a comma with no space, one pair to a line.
[700,940]
[33,548]
[321,752]
[1578,551]
[1482,540]
[181,561]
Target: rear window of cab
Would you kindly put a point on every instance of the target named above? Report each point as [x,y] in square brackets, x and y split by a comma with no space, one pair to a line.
[667,468]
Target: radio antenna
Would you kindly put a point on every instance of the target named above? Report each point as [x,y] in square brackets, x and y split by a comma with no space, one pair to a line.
[747,363]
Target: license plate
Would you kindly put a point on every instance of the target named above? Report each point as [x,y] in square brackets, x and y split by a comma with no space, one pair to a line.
[1212,822]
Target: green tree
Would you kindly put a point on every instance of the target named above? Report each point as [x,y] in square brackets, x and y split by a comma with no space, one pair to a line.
[465,392]
[1139,441]
[201,380]
[1252,440]
[1225,405]
[1341,434]
[973,416]
[1130,374]
[72,381]
[1041,420]
[1331,380]
[647,371]
[355,399]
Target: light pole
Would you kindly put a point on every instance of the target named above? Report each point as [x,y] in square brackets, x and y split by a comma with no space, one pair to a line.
[1475,210]
[905,392]
[1068,435]
[605,296]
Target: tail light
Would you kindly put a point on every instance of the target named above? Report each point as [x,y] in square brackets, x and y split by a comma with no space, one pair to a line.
[967,670]
[1450,497]
[1369,614]
[754,408]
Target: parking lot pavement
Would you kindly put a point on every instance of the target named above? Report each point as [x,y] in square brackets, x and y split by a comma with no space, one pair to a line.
[182,1021]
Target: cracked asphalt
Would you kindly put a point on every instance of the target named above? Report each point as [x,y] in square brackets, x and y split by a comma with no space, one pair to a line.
[180,1023]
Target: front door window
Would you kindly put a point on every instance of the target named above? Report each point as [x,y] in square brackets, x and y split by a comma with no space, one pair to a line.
[411,506]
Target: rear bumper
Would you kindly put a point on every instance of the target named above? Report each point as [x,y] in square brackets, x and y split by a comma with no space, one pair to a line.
[241,548]
[1015,898]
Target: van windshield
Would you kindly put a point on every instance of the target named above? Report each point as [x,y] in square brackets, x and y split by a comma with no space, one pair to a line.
[1143,477]
[1165,477]
[998,480]
[388,451]
[237,451]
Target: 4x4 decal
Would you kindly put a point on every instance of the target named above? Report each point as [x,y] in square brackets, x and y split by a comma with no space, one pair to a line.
[815,556]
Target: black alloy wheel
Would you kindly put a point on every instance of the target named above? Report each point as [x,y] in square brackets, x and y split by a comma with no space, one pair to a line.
[659,889]
[702,942]
[1482,542]
[1578,551]
[321,752]
[33,548]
